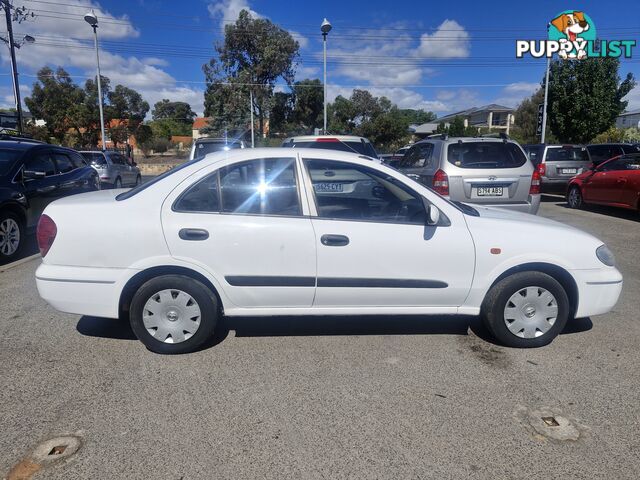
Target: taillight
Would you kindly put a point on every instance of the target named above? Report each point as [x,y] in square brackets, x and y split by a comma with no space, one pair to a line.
[46,234]
[441,183]
[535,183]
[542,169]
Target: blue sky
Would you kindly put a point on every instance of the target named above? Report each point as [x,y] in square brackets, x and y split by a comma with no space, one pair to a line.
[439,56]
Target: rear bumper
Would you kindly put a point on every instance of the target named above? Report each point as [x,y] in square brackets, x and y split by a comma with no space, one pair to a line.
[82,291]
[530,206]
[598,290]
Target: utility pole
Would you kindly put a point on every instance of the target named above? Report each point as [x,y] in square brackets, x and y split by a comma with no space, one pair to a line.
[253,142]
[14,68]
[325,28]
[546,97]
[92,19]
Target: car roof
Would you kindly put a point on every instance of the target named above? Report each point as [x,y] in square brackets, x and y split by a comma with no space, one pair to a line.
[218,140]
[310,138]
[19,144]
[465,139]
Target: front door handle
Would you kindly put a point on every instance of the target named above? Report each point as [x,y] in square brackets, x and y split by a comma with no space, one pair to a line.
[334,240]
[193,234]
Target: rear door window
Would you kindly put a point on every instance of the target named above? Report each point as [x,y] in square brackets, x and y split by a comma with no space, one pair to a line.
[63,162]
[418,156]
[485,155]
[600,153]
[42,162]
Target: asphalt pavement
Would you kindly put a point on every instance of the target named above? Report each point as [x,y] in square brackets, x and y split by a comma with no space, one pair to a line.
[343,397]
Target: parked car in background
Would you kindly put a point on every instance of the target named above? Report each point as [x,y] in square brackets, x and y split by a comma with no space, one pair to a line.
[203,146]
[615,182]
[343,143]
[113,168]
[33,174]
[486,170]
[393,159]
[261,232]
[557,164]
[601,152]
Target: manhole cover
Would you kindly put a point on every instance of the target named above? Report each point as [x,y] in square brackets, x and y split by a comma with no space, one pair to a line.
[56,449]
[550,423]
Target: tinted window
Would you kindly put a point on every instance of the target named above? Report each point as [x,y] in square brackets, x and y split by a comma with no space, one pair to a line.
[7,159]
[94,158]
[77,160]
[201,197]
[600,153]
[566,154]
[41,163]
[63,162]
[352,192]
[265,186]
[116,159]
[631,149]
[202,148]
[485,155]
[623,163]
[418,156]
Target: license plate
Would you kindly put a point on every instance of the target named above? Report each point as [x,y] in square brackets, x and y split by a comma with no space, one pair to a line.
[489,191]
[328,187]
[570,170]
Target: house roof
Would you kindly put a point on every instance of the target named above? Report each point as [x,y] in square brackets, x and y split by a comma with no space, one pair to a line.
[492,107]
[632,112]
[200,122]
[424,128]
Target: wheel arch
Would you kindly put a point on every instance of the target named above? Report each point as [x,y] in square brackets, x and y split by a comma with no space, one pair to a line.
[558,273]
[135,282]
[17,210]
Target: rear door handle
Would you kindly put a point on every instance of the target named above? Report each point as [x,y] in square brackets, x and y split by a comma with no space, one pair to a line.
[193,234]
[334,240]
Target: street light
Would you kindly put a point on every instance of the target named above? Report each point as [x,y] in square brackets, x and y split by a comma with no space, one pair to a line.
[325,28]
[92,20]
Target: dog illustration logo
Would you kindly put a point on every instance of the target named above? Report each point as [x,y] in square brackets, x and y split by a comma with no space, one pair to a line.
[575,28]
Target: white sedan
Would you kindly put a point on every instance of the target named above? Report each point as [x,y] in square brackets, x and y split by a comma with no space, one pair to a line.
[311,232]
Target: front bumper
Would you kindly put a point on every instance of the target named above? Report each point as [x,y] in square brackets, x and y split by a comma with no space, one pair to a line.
[81,290]
[598,290]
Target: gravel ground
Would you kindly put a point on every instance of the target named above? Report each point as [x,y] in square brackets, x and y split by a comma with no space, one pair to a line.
[346,397]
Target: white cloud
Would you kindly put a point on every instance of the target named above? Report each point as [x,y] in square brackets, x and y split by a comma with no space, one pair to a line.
[514,93]
[68,43]
[450,40]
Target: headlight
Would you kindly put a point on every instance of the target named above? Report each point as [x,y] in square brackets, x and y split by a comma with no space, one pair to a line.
[606,256]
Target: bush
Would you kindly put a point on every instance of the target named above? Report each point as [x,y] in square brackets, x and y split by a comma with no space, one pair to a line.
[154,145]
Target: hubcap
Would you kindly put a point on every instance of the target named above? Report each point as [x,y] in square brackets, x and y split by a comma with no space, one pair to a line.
[531,312]
[574,198]
[171,316]
[9,236]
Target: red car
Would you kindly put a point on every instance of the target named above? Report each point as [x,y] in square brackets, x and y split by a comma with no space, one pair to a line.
[615,182]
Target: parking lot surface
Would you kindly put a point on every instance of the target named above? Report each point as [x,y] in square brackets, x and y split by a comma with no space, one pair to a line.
[341,397]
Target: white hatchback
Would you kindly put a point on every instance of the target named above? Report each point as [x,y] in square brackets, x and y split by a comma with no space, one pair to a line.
[311,232]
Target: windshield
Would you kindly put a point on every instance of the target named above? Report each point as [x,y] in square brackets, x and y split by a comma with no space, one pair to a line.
[566,154]
[7,159]
[94,158]
[485,155]
[203,148]
[353,146]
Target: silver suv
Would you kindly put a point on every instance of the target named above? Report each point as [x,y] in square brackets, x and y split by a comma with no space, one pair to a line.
[113,168]
[493,172]
[557,164]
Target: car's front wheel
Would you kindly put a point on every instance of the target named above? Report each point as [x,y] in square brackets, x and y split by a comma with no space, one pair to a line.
[574,197]
[11,236]
[173,314]
[526,309]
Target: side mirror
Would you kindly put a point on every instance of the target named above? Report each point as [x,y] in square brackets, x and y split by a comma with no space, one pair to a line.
[433,213]
[32,175]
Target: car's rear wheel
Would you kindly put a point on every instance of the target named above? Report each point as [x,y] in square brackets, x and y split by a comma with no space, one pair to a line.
[173,314]
[526,309]
[117,183]
[574,197]
[11,236]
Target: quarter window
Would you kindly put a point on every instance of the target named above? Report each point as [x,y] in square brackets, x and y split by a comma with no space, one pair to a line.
[201,197]
[41,163]
[418,156]
[353,192]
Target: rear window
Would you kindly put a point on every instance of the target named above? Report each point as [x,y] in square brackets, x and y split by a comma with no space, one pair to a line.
[203,148]
[567,154]
[363,148]
[485,155]
[94,158]
[7,159]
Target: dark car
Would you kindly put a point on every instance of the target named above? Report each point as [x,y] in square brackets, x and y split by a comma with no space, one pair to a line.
[32,175]
[557,164]
[615,182]
[601,152]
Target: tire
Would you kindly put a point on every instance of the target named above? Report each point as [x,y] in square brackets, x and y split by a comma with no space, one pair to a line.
[118,183]
[574,197]
[12,236]
[173,303]
[524,303]
[138,181]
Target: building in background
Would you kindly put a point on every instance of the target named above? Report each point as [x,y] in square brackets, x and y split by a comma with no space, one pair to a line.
[628,119]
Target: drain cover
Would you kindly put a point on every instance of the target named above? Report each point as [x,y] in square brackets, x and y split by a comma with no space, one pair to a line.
[550,424]
[56,449]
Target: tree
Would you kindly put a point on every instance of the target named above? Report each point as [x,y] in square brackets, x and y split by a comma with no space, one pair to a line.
[585,97]
[457,128]
[281,114]
[127,106]
[179,112]
[228,107]
[167,127]
[255,53]
[416,117]
[308,104]
[526,120]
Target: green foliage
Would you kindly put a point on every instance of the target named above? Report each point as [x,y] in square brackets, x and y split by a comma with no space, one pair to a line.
[526,121]
[167,127]
[442,128]
[177,111]
[155,145]
[281,114]
[308,106]
[127,105]
[456,128]
[254,52]
[611,135]
[416,117]
[631,135]
[585,97]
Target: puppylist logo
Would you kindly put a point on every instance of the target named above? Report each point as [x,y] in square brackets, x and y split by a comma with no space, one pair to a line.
[572,35]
